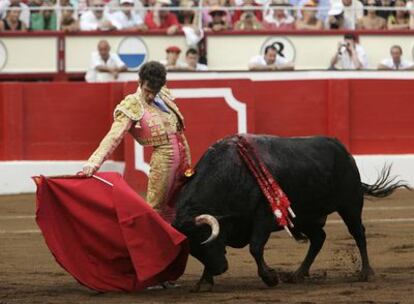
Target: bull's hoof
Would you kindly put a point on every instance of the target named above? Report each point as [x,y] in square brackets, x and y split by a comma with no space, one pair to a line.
[366,275]
[270,278]
[202,287]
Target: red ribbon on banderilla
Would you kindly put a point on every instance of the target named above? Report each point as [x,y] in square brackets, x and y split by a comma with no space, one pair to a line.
[277,199]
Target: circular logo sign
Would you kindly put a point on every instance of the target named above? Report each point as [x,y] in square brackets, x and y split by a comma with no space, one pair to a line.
[284,47]
[133,52]
[3,55]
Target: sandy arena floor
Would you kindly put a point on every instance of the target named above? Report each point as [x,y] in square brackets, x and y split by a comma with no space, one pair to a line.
[29,274]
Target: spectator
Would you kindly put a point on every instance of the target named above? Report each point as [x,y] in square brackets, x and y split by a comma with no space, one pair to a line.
[309,20]
[247,3]
[190,23]
[371,21]
[399,20]
[188,17]
[206,16]
[270,61]
[127,18]
[336,17]
[248,22]
[322,5]
[161,18]
[353,10]
[104,61]
[410,6]
[12,20]
[396,62]
[171,62]
[191,59]
[96,18]
[43,19]
[218,22]
[383,13]
[24,10]
[112,6]
[350,54]
[68,23]
[277,18]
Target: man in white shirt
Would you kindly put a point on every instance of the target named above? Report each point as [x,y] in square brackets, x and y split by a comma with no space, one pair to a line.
[96,18]
[191,59]
[105,66]
[270,61]
[24,10]
[127,18]
[353,10]
[350,54]
[396,62]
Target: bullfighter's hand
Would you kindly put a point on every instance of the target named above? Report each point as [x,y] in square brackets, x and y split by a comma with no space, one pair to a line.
[89,170]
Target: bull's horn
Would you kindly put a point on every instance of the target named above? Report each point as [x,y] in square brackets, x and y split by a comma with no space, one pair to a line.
[212,222]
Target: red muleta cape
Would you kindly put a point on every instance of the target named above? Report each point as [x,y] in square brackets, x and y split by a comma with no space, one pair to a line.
[107,237]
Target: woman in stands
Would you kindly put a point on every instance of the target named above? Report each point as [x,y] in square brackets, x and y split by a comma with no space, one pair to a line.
[399,20]
[371,21]
[12,22]
[309,20]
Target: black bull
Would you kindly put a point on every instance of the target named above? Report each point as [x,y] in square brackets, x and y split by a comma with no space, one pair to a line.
[223,201]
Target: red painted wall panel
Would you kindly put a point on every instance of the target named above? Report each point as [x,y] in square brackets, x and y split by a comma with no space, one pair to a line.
[66,121]
[291,108]
[382,116]
[2,118]
[59,121]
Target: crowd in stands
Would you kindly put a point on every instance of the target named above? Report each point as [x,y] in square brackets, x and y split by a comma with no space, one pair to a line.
[209,15]
[350,55]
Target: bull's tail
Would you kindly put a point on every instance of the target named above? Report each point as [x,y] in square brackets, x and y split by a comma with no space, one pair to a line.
[385,184]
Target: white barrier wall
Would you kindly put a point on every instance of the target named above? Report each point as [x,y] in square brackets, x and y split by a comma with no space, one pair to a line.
[79,49]
[28,54]
[39,54]
[15,176]
[307,51]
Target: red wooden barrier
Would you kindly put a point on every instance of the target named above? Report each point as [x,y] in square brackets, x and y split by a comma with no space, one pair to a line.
[65,121]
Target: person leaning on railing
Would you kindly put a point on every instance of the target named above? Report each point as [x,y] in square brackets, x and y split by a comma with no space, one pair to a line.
[24,10]
[400,19]
[371,21]
[396,62]
[219,20]
[12,22]
[105,62]
[336,17]
[207,18]
[410,7]
[68,23]
[353,10]
[161,18]
[96,18]
[44,19]
[278,18]
[309,20]
[270,61]
[171,61]
[192,58]
[126,18]
[238,13]
[248,22]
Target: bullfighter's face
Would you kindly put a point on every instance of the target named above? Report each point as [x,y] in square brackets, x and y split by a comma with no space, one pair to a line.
[148,92]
